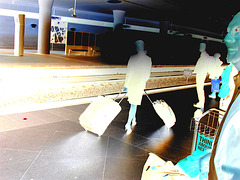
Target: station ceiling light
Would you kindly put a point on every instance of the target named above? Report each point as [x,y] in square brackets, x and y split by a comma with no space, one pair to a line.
[114,1]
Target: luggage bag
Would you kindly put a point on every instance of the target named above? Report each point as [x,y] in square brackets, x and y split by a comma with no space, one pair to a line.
[156,168]
[99,114]
[164,111]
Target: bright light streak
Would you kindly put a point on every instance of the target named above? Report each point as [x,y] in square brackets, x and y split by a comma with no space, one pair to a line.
[142,28]
[7,12]
[165,134]
[165,138]
[38,72]
[32,73]
[86,22]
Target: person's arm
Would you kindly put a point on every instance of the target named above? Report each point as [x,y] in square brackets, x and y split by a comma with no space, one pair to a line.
[128,71]
[148,68]
[230,156]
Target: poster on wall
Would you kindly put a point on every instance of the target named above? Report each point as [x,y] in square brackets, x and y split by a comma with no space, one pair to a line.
[58,30]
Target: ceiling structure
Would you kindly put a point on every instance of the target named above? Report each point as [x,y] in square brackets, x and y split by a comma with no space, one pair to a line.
[207,15]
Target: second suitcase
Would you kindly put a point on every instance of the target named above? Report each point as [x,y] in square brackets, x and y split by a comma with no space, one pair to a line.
[164,111]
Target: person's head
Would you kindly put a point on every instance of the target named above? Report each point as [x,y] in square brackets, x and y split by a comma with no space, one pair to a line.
[202,47]
[232,40]
[139,45]
[217,55]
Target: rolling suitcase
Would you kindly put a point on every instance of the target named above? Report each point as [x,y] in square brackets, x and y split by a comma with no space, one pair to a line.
[164,111]
[99,114]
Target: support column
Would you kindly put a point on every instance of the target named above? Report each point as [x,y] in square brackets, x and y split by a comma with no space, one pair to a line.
[44,26]
[118,18]
[164,28]
[19,34]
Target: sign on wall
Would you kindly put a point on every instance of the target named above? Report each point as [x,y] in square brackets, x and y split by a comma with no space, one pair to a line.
[58,30]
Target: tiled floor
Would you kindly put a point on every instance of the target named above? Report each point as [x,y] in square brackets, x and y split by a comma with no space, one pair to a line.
[51,144]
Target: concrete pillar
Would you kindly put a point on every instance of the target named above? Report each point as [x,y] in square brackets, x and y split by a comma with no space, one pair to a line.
[118,18]
[19,34]
[44,26]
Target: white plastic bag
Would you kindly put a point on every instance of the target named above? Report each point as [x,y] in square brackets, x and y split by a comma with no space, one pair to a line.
[156,168]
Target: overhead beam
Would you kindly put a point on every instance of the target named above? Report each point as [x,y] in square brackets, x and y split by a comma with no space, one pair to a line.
[30,15]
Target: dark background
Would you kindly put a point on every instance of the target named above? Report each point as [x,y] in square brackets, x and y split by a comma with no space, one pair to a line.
[118,46]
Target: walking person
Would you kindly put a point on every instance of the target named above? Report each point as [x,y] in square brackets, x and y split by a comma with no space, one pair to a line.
[138,72]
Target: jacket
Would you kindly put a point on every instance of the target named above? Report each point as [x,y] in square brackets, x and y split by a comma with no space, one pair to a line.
[225,157]
[138,72]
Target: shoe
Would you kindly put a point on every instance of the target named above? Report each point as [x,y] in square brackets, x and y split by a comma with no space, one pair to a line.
[128,128]
[129,131]
[134,122]
[198,105]
[213,96]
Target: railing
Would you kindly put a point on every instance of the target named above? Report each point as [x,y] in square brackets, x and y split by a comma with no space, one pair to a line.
[82,43]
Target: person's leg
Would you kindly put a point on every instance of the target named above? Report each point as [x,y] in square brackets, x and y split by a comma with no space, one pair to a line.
[213,95]
[200,79]
[131,117]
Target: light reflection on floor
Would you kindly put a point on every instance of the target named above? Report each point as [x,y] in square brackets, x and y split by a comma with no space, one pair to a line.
[59,148]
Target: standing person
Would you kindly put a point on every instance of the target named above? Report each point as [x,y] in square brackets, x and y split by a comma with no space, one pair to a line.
[201,69]
[138,72]
[215,71]
[225,157]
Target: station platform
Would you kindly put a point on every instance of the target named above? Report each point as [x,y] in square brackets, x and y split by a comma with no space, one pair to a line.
[48,142]
[55,59]
[36,81]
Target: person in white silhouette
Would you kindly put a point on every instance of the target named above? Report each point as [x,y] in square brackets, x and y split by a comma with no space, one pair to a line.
[201,69]
[138,72]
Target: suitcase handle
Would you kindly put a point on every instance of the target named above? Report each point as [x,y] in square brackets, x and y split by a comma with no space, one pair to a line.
[121,98]
[148,97]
